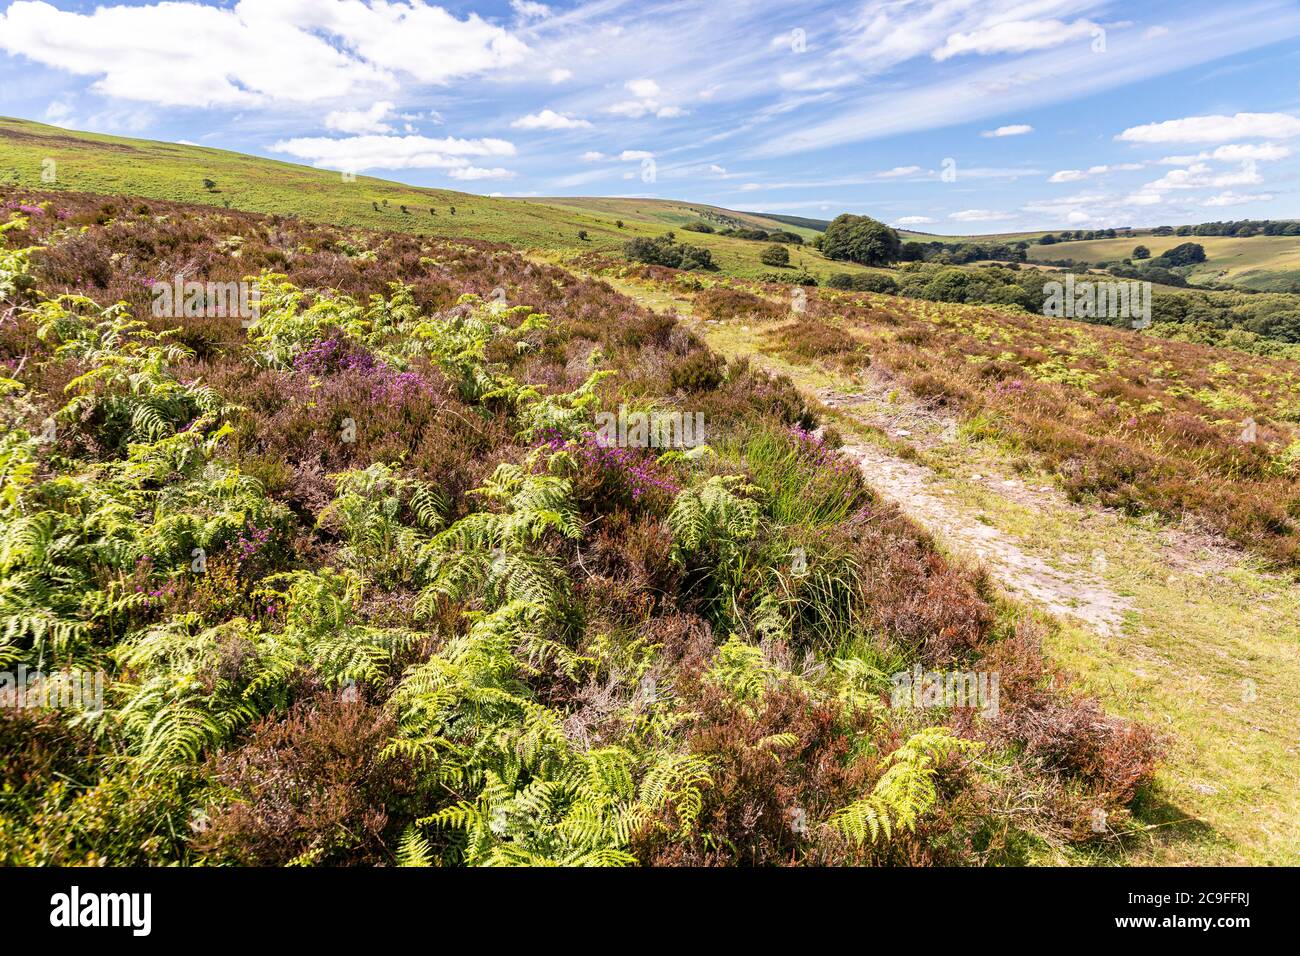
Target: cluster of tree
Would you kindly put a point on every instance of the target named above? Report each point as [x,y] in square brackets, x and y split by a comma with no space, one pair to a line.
[860,239]
[1240,228]
[1081,235]
[664,251]
[764,235]
[1183,254]
[960,253]
[1151,271]
[863,282]
[747,232]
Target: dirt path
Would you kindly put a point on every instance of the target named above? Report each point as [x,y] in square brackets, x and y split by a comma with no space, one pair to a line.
[1170,626]
[1075,593]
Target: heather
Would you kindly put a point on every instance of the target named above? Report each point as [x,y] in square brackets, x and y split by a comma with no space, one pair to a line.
[370,590]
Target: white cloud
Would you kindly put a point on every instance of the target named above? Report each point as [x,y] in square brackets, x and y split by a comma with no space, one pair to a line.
[1231,153]
[632,109]
[913,220]
[631,155]
[899,171]
[1154,33]
[528,10]
[648,102]
[559,75]
[593,156]
[257,52]
[361,121]
[643,89]
[549,119]
[981,215]
[359,153]
[1236,199]
[1019,129]
[1074,175]
[1215,129]
[1014,36]
[476,172]
[1198,175]
[58,113]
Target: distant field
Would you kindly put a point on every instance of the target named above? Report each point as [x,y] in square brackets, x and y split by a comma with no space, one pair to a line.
[1257,262]
[117,165]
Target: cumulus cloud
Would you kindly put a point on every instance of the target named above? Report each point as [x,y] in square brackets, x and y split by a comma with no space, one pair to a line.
[258,51]
[644,89]
[1018,129]
[1231,153]
[361,121]
[1074,175]
[1215,129]
[549,119]
[559,75]
[1014,36]
[647,103]
[359,153]
[913,220]
[1199,175]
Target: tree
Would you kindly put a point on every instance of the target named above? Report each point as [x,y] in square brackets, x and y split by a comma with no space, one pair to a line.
[1186,254]
[582,234]
[1141,252]
[861,239]
[209,185]
[775,255]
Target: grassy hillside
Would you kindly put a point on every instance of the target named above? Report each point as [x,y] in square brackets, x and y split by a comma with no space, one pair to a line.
[1266,263]
[117,165]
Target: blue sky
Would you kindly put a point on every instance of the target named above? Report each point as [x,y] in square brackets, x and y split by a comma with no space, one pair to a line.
[948,116]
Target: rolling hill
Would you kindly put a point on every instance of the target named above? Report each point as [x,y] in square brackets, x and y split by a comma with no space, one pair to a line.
[117,165]
[1265,263]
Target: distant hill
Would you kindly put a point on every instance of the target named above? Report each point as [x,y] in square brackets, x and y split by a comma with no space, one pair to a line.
[817,225]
